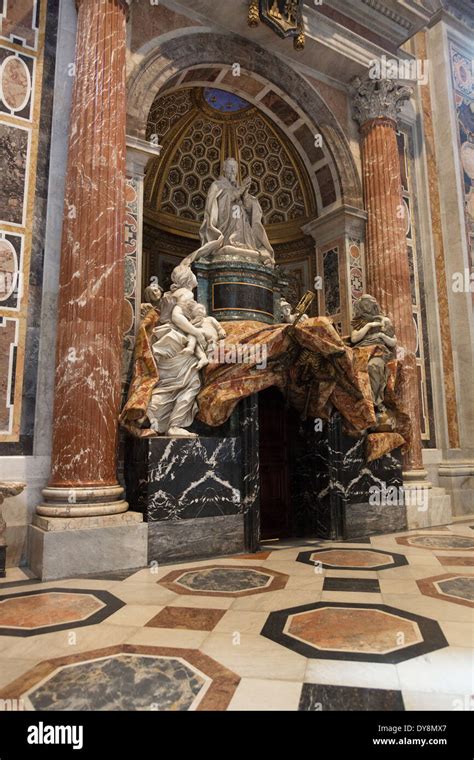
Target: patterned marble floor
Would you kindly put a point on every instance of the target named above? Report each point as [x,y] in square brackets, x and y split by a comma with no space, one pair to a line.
[382,624]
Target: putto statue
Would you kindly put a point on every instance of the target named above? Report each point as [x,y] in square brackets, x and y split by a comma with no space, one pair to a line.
[288,316]
[232,228]
[180,345]
[369,327]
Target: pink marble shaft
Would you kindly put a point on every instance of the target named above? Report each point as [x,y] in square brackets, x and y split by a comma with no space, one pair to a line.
[388,273]
[89,345]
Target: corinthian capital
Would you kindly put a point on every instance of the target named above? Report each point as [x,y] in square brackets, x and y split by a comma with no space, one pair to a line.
[378,99]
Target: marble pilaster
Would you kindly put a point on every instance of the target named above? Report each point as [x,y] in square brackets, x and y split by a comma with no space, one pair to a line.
[138,154]
[341,230]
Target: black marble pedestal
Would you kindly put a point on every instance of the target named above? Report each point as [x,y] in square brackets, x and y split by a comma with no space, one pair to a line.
[189,490]
[335,490]
[238,290]
[3,560]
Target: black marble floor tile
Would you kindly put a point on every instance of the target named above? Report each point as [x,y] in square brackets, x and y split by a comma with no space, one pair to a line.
[14,584]
[352,584]
[319,697]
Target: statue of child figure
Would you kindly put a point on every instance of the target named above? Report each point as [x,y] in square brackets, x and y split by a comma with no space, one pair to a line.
[211,328]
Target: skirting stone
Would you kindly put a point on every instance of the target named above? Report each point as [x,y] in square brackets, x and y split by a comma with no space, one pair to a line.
[60,554]
[81,523]
[369,519]
[170,541]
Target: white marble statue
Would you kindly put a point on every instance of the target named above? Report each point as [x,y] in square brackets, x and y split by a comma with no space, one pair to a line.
[232,228]
[153,294]
[287,314]
[180,344]
[213,331]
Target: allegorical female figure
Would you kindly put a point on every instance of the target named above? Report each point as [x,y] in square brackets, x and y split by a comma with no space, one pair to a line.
[369,327]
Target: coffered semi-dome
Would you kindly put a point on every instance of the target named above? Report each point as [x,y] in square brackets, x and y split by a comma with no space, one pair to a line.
[200,127]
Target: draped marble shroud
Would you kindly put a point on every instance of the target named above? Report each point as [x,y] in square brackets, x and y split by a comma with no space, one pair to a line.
[224,385]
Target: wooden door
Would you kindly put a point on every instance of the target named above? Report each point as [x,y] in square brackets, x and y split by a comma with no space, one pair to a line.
[275,515]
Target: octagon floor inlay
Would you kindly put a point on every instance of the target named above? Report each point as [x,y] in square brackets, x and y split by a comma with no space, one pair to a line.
[350,630]
[224,580]
[127,677]
[122,682]
[365,632]
[449,587]
[441,542]
[53,609]
[352,559]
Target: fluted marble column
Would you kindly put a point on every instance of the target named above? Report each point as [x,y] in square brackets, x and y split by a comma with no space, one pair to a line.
[377,104]
[89,344]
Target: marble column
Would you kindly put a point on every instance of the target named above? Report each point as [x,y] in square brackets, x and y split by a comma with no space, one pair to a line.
[88,358]
[377,103]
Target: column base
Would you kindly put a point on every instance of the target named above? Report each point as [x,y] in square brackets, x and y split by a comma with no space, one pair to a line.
[82,502]
[426,506]
[65,547]
[458,479]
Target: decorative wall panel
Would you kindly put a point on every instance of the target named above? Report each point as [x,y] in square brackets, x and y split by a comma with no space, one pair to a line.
[463,83]
[130,306]
[332,297]
[16,83]
[20,22]
[8,355]
[11,252]
[22,34]
[356,272]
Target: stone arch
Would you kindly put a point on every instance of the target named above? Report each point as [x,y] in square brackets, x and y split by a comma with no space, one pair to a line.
[163,59]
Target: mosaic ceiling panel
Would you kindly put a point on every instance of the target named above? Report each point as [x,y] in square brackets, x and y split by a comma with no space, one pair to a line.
[198,129]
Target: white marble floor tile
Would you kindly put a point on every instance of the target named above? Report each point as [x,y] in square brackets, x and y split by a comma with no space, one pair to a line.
[372,675]
[168,637]
[354,597]
[255,656]
[259,694]
[208,602]
[458,634]
[422,700]
[446,671]
[277,600]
